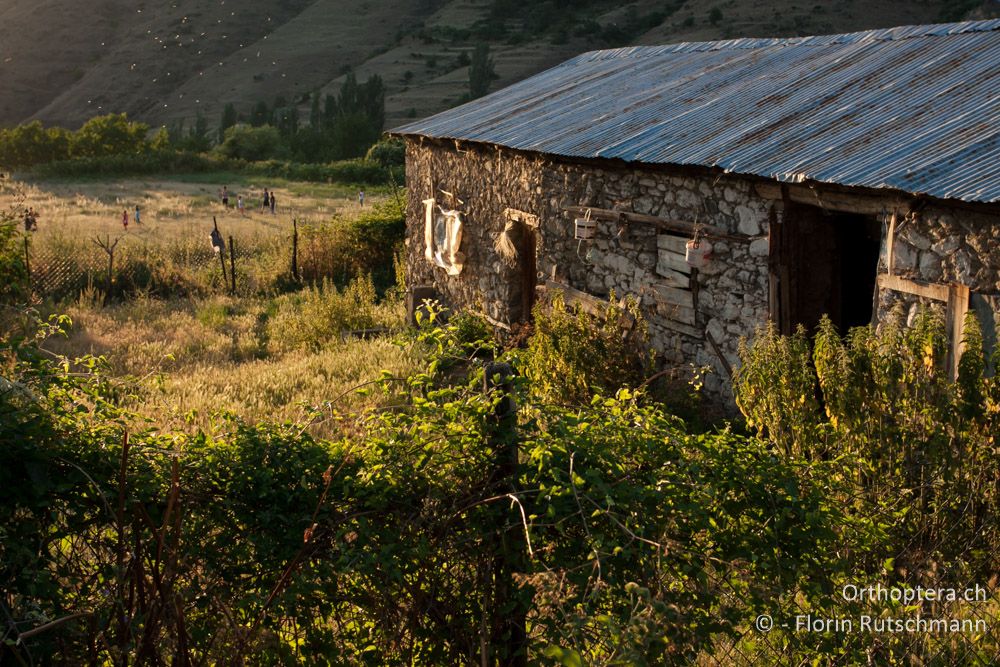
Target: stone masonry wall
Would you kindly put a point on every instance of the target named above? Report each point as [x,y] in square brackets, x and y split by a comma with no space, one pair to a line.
[947,245]
[732,288]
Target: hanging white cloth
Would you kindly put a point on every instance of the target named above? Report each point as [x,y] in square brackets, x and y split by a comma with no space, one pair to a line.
[443,238]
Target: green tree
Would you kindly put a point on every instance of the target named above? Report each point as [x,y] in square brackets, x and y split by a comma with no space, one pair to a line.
[229,118]
[251,143]
[112,134]
[481,71]
[261,114]
[31,144]
[315,112]
[161,140]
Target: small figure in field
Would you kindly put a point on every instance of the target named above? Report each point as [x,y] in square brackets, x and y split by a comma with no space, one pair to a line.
[136,218]
[239,205]
[30,220]
[267,202]
[125,219]
[361,198]
[272,202]
[225,196]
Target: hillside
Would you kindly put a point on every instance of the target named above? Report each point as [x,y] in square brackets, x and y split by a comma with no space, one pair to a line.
[65,61]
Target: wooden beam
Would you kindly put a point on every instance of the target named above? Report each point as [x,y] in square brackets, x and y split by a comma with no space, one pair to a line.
[890,242]
[680,226]
[863,204]
[958,306]
[718,352]
[590,304]
[926,290]
[679,327]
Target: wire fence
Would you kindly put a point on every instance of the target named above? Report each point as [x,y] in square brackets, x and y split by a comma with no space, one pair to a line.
[117,267]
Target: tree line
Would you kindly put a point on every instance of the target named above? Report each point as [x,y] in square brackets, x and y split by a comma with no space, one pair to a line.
[339,127]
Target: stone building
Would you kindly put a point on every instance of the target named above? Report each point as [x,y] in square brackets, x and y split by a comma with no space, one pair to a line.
[840,174]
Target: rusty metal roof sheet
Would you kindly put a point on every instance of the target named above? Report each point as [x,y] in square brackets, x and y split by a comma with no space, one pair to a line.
[915,108]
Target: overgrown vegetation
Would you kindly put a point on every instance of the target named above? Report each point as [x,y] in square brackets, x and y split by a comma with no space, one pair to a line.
[266,142]
[618,536]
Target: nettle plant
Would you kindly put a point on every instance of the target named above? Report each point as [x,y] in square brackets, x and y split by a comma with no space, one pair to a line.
[920,449]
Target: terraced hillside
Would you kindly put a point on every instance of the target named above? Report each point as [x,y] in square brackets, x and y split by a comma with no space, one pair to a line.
[63,61]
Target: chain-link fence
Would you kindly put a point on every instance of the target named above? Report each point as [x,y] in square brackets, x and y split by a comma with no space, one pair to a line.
[116,267]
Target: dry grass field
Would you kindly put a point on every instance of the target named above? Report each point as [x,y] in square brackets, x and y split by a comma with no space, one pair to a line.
[177,207]
[275,355]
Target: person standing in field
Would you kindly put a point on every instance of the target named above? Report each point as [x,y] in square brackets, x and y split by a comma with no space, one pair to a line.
[361,198]
[125,219]
[225,196]
[239,205]
[272,202]
[30,220]
[267,202]
[137,221]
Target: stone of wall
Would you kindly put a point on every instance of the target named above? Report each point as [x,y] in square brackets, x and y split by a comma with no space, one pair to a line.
[947,245]
[732,288]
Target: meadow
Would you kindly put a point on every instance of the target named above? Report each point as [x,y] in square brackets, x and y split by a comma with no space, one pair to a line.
[273,350]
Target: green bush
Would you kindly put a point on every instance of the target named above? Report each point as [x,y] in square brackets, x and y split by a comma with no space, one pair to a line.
[921,444]
[245,142]
[316,316]
[388,153]
[12,269]
[572,355]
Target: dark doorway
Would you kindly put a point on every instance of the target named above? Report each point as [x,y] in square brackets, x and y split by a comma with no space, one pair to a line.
[527,266]
[827,263]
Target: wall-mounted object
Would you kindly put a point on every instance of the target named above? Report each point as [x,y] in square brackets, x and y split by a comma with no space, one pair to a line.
[443,238]
[697,252]
[585,228]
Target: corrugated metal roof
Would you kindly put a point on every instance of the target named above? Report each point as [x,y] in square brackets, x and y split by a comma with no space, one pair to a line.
[916,108]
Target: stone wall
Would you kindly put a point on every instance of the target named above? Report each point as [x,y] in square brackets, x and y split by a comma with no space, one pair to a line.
[732,288]
[945,244]
[940,244]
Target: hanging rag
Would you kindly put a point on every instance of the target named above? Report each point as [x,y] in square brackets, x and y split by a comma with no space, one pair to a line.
[443,238]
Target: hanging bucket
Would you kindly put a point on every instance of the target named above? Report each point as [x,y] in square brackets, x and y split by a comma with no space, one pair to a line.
[697,253]
[584,228]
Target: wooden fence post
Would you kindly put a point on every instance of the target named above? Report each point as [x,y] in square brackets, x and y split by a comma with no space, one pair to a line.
[222,253]
[232,265]
[507,619]
[295,249]
[27,265]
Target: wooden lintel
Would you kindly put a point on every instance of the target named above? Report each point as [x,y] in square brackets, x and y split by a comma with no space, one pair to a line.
[681,226]
[529,219]
[926,290]
[863,204]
